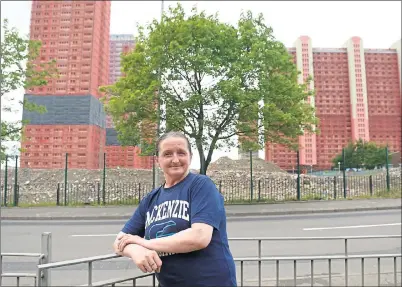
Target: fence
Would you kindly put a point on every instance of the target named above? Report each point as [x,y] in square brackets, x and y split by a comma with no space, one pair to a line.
[44,267]
[270,189]
[43,258]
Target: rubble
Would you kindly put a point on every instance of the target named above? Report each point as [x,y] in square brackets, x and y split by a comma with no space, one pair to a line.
[232,178]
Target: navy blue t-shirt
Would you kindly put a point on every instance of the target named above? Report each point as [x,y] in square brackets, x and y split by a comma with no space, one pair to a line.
[166,211]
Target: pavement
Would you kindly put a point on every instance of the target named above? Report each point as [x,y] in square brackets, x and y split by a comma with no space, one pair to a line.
[84,238]
[124,212]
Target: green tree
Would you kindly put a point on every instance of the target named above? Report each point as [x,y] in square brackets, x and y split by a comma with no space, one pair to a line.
[20,68]
[362,154]
[216,82]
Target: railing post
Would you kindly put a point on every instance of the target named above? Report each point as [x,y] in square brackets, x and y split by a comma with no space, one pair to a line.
[346,247]
[46,250]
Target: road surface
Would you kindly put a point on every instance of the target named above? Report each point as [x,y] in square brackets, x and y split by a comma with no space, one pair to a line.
[77,239]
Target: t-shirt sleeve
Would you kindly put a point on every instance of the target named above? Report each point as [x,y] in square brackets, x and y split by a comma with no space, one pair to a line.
[206,204]
[136,224]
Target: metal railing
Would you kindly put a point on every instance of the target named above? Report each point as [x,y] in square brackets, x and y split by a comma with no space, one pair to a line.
[312,259]
[43,258]
[345,239]
[44,279]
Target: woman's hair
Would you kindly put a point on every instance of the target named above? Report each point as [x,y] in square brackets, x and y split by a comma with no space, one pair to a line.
[173,134]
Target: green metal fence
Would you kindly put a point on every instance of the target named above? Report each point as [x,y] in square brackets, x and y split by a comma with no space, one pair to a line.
[270,189]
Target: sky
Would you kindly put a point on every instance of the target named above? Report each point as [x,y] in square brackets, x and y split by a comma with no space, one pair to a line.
[329,24]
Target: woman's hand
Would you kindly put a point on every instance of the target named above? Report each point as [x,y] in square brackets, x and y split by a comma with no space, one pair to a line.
[126,239]
[145,259]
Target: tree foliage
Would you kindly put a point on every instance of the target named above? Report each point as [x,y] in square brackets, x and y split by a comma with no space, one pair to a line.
[362,154]
[215,81]
[20,68]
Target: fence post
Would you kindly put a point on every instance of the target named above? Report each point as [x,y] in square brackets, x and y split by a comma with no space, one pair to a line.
[65,180]
[104,174]
[139,192]
[371,185]
[387,167]
[334,187]
[344,173]
[16,182]
[5,181]
[153,172]
[58,194]
[18,194]
[259,190]
[104,197]
[298,175]
[98,189]
[251,176]
[46,250]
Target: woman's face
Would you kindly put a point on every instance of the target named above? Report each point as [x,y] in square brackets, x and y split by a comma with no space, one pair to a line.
[174,157]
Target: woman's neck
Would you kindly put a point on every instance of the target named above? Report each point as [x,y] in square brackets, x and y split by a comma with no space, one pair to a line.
[169,182]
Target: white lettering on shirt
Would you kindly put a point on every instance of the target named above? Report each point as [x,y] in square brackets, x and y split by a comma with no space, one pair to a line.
[168,209]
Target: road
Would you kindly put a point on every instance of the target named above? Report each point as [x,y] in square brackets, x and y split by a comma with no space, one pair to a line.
[77,239]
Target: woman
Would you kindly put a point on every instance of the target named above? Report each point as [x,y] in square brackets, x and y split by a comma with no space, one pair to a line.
[179,229]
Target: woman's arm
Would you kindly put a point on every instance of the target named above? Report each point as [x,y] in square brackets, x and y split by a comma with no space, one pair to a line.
[192,239]
[207,212]
[145,259]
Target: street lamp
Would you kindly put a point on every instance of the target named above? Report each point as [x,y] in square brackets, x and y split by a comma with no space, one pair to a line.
[339,166]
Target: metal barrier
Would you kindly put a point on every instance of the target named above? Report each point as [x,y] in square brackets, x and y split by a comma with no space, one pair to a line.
[44,279]
[345,239]
[312,259]
[90,260]
[43,258]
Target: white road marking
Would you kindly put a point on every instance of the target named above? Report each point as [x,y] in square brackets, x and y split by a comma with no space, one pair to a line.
[93,235]
[353,226]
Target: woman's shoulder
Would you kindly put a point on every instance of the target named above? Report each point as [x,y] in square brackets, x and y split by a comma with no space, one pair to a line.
[200,178]
[201,181]
[150,195]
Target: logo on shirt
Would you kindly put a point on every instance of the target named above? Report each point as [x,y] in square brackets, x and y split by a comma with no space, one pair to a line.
[168,209]
[160,221]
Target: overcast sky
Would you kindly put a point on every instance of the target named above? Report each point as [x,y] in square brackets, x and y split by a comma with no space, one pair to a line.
[328,23]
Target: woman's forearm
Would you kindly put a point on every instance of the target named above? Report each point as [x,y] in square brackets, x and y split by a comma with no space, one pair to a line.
[182,242]
[129,250]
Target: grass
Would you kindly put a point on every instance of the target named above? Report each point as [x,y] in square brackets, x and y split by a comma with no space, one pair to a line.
[393,193]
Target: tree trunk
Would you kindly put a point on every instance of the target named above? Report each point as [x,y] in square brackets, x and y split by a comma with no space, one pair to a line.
[203,166]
